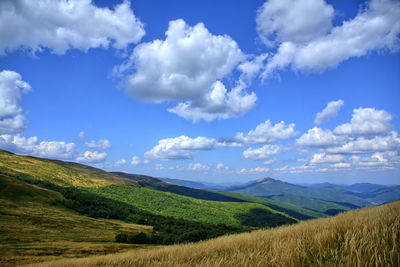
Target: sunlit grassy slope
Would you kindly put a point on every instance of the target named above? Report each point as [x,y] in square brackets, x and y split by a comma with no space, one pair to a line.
[367,237]
[57,172]
[33,228]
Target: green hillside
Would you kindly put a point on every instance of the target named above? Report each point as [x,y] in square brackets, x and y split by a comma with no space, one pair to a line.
[58,174]
[178,206]
[33,227]
[317,205]
[161,185]
[158,184]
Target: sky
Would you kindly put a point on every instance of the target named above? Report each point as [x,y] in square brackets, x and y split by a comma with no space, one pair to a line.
[214,91]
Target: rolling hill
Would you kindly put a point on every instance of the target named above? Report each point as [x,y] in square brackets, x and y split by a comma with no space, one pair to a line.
[52,208]
[34,227]
[366,237]
[142,192]
[330,197]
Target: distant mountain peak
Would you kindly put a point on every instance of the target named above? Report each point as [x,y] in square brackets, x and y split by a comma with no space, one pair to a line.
[267,180]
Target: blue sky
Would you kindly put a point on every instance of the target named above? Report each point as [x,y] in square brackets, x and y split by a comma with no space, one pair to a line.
[216,91]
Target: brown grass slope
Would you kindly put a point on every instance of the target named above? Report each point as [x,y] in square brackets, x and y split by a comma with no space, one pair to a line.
[367,237]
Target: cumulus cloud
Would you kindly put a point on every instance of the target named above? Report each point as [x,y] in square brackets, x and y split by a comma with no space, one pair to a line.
[362,145]
[120,163]
[221,166]
[135,161]
[267,133]
[369,131]
[31,146]
[366,121]
[259,169]
[317,137]
[341,165]
[262,152]
[331,110]
[294,21]
[62,25]
[12,87]
[188,66]
[374,28]
[198,167]
[100,144]
[181,147]
[269,162]
[92,157]
[250,68]
[378,159]
[324,158]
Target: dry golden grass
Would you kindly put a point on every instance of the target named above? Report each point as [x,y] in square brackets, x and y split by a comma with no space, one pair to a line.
[58,172]
[367,237]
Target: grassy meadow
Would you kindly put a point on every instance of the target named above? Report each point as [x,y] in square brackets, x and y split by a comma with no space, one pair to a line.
[366,237]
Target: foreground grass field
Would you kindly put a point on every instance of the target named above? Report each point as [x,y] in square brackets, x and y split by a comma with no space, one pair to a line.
[367,237]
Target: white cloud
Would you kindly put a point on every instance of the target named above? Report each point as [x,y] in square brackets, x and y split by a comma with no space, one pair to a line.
[81,136]
[120,162]
[101,144]
[262,152]
[269,162]
[259,169]
[378,159]
[92,157]
[224,142]
[188,66]
[159,167]
[31,146]
[242,171]
[62,25]
[198,167]
[267,133]
[181,147]
[135,160]
[375,28]
[295,21]
[251,68]
[324,158]
[331,110]
[317,137]
[216,104]
[12,87]
[366,121]
[341,165]
[362,145]
[221,166]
